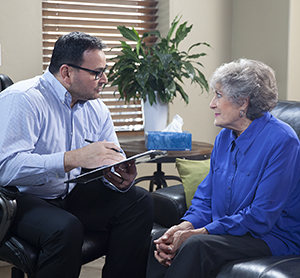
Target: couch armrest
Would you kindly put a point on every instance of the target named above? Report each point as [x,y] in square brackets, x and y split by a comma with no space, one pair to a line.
[267,267]
[169,205]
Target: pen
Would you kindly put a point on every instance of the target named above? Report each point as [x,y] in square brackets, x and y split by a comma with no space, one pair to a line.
[118,151]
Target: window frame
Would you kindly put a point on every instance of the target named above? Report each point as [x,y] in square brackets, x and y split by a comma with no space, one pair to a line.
[100,18]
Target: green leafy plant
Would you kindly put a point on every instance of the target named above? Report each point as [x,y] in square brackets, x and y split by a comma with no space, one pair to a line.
[159,67]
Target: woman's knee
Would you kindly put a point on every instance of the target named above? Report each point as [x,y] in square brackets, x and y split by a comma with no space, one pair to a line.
[196,244]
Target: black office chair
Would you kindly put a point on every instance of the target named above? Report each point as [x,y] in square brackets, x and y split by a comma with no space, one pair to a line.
[7,199]
[5,82]
[22,255]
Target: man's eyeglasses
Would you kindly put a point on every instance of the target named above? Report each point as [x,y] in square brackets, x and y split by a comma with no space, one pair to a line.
[98,74]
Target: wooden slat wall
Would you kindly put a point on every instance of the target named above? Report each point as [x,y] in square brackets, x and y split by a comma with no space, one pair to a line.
[100,18]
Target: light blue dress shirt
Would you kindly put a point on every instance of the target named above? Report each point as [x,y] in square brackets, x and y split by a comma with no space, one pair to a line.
[38,126]
[253,186]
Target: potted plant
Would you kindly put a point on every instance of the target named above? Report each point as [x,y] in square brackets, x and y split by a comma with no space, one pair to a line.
[151,71]
[154,72]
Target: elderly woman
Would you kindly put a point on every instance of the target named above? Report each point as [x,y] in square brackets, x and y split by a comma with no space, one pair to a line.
[249,203]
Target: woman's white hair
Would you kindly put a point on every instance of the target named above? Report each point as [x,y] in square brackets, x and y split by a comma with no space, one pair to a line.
[243,80]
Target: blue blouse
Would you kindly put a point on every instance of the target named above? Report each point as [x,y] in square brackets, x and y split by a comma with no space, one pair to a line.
[253,186]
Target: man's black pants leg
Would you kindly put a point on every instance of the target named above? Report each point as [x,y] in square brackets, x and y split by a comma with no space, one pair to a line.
[57,227]
[126,217]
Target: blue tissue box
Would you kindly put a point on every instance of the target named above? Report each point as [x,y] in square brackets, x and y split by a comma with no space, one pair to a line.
[168,141]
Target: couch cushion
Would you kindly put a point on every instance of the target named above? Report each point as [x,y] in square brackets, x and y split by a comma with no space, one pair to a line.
[192,173]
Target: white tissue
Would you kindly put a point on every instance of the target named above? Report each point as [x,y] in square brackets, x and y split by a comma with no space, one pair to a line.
[175,125]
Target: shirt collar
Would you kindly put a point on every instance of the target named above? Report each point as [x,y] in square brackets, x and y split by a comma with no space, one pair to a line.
[60,91]
[245,140]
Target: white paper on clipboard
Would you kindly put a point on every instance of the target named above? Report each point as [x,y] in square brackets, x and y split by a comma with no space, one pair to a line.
[99,172]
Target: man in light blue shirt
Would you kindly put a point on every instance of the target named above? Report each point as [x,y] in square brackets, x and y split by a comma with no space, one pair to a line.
[46,122]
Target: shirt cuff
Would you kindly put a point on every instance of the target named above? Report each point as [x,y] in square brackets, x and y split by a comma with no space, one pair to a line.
[215,228]
[113,187]
[54,165]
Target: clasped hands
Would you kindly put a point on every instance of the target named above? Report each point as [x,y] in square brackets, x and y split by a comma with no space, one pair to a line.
[168,244]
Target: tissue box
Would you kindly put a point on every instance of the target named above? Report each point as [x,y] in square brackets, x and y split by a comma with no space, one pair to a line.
[168,141]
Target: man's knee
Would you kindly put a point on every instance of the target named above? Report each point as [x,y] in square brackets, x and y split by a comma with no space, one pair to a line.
[68,232]
[144,196]
[144,204]
[137,211]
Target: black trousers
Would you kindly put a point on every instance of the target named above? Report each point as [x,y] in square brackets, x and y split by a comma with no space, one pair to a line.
[202,256]
[57,227]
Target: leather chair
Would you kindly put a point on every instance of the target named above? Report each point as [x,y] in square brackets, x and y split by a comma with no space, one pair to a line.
[5,81]
[22,255]
[170,205]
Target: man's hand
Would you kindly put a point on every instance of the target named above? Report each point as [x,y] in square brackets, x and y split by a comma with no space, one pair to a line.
[99,154]
[123,175]
[92,156]
[168,244]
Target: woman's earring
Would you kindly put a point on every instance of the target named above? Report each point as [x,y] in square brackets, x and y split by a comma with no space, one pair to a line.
[242,113]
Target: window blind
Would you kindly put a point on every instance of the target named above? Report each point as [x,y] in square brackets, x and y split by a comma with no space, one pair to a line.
[100,18]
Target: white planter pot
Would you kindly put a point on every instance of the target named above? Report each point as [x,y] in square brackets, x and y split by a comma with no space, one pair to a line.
[155,116]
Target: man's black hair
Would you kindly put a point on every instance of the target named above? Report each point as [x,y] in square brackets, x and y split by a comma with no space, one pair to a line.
[69,49]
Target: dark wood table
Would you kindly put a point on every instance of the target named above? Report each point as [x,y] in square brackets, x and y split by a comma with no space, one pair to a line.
[199,151]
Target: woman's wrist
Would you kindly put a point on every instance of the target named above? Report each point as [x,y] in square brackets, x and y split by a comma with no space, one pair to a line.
[186,225]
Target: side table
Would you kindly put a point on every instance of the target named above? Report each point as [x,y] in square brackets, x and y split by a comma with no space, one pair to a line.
[200,151]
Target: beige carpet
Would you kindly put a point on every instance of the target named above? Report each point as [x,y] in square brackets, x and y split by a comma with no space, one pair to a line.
[91,270]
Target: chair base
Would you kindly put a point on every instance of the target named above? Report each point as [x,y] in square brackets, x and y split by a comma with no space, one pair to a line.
[17,273]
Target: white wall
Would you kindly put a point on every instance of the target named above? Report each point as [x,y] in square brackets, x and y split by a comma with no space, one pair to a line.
[21,38]
[293,92]
[260,31]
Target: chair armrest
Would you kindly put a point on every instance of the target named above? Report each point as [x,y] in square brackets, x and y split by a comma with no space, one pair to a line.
[267,267]
[169,205]
[8,206]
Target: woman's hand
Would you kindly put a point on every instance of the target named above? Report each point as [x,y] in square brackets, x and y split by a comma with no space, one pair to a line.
[165,249]
[168,244]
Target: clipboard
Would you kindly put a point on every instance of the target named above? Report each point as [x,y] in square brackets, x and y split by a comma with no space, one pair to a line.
[99,172]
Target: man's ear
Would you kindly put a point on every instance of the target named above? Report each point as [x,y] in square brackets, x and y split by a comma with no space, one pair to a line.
[65,71]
